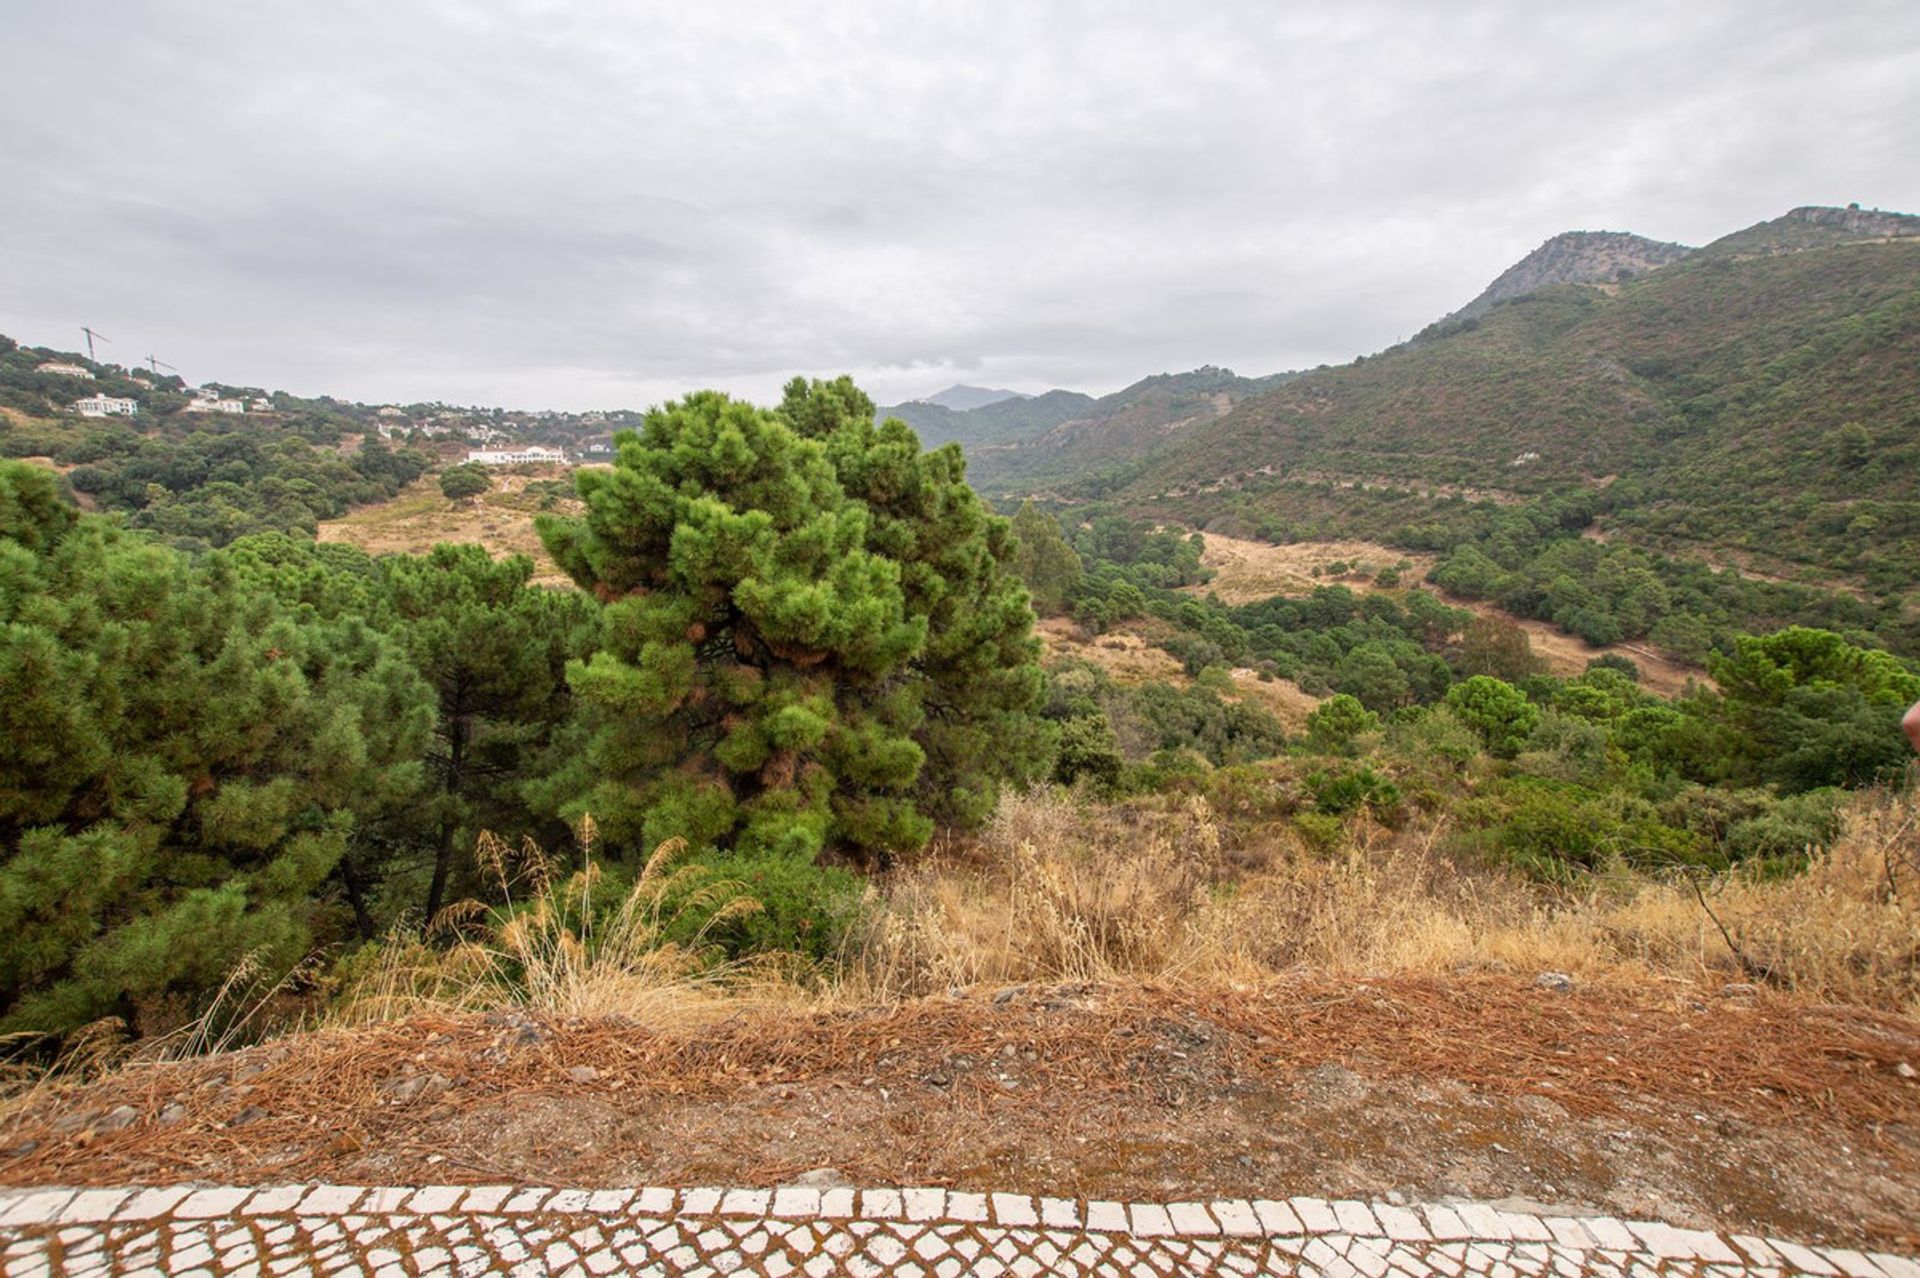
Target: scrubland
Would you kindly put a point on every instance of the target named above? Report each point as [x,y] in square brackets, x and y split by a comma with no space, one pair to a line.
[1059,888]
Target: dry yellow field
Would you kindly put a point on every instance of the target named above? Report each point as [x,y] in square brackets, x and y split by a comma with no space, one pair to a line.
[420,517]
[1249,571]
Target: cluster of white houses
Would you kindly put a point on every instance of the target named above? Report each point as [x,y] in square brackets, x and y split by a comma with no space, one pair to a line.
[205,400]
[515,456]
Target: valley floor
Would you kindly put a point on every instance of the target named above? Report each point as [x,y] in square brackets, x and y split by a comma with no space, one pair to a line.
[1730,1109]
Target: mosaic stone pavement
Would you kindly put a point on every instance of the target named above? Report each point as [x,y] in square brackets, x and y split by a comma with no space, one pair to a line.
[928,1233]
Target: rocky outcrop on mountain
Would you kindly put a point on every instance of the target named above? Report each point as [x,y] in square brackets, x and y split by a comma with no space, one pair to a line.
[1576,257]
[1856,221]
[1811,227]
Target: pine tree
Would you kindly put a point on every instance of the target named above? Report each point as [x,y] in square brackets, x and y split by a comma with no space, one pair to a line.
[495,652]
[1046,562]
[809,636]
[183,760]
[493,648]
[979,679]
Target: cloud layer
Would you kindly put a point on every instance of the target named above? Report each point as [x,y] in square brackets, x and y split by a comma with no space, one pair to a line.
[603,203]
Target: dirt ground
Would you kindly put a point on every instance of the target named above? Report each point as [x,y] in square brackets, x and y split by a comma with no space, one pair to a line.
[1248,571]
[1129,658]
[420,516]
[1732,1109]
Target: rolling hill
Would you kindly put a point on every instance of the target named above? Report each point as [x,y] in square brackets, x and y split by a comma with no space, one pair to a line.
[961,398]
[1055,436]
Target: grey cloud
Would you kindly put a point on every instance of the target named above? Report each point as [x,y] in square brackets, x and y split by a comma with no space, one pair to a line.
[588,203]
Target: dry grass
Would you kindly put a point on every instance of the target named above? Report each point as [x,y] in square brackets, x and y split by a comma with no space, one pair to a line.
[1060,893]
[1250,571]
[567,948]
[420,517]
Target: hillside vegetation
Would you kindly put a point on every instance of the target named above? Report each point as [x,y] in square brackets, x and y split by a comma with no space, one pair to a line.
[1755,398]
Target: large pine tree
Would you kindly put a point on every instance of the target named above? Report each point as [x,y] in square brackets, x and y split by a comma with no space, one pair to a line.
[810,636]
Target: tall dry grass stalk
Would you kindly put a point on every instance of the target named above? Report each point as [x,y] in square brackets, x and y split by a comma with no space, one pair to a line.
[563,946]
[1067,893]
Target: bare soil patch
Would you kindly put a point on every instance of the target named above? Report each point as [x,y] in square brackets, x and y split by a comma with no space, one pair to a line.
[1750,1112]
[1249,571]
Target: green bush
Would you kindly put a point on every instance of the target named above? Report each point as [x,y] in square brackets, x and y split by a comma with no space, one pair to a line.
[1322,830]
[1087,749]
[1343,790]
[1336,722]
[805,909]
[1495,709]
[1788,829]
[458,483]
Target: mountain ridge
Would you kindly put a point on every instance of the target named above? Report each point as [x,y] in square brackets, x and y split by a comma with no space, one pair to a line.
[1122,424]
[1756,393]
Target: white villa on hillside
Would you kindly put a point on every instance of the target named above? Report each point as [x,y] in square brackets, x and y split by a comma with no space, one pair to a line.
[59,369]
[515,456]
[106,406]
[209,401]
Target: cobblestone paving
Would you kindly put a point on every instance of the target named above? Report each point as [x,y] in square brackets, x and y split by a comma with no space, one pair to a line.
[931,1233]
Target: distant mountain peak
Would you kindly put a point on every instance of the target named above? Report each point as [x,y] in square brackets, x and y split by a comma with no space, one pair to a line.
[962,398]
[1576,257]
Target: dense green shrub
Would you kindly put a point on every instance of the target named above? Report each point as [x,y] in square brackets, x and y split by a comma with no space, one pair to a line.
[1339,791]
[1497,710]
[1335,723]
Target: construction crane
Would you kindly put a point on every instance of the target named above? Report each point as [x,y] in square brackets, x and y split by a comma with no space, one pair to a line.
[155,365]
[90,336]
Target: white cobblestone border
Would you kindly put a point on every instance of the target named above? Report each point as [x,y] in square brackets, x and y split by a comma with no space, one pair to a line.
[1344,1236]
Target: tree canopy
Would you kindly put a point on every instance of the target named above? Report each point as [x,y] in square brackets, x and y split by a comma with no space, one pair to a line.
[809,634]
[187,761]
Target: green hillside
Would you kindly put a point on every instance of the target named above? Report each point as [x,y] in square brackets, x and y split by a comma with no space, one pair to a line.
[1759,396]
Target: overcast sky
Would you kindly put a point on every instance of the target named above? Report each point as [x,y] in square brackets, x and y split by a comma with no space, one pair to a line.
[601,204]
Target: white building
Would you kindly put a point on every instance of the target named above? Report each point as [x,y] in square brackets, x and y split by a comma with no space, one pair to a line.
[260,406]
[106,406]
[210,402]
[59,369]
[515,456]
